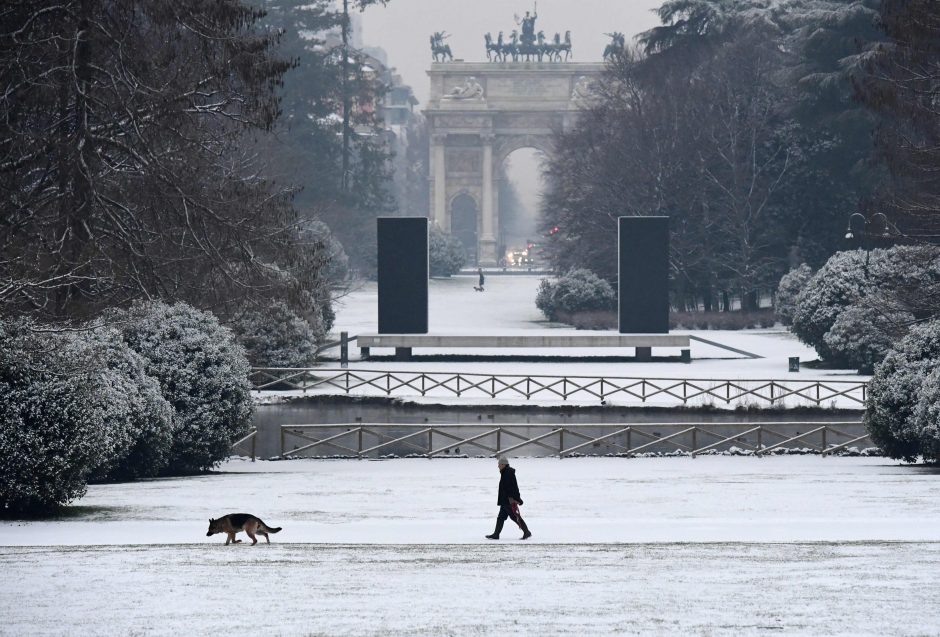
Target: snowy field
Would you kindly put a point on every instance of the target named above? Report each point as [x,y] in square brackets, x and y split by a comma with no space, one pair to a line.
[508,307]
[712,546]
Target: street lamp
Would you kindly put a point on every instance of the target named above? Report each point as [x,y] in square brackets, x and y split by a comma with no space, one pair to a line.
[863,227]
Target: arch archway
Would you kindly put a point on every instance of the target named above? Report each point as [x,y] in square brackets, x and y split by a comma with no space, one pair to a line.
[464,224]
[513,105]
[520,187]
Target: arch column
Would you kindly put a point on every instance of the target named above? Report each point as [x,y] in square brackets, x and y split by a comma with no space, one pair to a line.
[488,212]
[439,216]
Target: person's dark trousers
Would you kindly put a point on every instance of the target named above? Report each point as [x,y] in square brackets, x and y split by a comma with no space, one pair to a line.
[506,511]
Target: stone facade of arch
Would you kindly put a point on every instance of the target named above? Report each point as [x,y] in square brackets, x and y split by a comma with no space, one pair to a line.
[479,113]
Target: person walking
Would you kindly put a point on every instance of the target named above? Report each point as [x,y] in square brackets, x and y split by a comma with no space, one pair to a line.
[508,501]
[480,272]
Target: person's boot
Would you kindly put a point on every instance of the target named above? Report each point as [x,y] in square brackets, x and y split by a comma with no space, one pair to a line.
[495,534]
[526,534]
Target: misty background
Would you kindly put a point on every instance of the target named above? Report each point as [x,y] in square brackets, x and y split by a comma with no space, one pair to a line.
[403,27]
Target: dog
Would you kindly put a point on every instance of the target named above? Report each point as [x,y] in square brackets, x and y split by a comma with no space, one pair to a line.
[236,522]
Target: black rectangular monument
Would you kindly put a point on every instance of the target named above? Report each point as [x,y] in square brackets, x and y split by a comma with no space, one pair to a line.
[643,273]
[403,275]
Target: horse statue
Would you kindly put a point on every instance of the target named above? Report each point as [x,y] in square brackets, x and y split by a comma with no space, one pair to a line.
[617,45]
[512,48]
[565,47]
[440,52]
[540,47]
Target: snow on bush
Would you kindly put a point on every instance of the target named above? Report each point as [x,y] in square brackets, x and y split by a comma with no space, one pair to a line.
[446,254]
[791,285]
[50,433]
[862,337]
[901,409]
[837,285]
[129,405]
[276,337]
[203,374]
[578,290]
[889,284]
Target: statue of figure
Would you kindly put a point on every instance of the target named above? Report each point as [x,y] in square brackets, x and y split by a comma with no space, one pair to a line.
[618,44]
[528,28]
[582,89]
[439,50]
[471,90]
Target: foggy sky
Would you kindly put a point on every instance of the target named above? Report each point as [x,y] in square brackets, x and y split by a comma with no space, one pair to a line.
[404,26]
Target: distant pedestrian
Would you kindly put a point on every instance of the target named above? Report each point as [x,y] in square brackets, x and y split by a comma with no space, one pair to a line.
[508,500]
[480,272]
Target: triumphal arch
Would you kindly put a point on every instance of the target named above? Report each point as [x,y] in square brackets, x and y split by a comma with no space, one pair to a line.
[479,113]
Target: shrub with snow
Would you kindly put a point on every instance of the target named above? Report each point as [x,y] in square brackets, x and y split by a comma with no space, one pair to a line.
[276,337]
[892,284]
[788,291]
[50,433]
[446,254]
[901,408]
[578,290]
[862,337]
[129,405]
[203,374]
[837,285]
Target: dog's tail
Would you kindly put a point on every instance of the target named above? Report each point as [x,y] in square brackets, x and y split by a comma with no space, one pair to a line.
[268,528]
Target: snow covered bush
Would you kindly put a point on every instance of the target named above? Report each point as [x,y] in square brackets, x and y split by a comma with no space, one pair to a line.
[446,254]
[901,409]
[276,337]
[837,285]
[791,285]
[862,337]
[893,285]
[578,290]
[50,435]
[203,374]
[128,404]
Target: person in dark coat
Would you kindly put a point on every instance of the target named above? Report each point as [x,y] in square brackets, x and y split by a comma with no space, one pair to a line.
[508,501]
[480,272]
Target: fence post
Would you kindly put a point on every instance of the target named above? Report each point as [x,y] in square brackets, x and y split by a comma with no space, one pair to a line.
[499,430]
[694,440]
[561,441]
[824,441]
[254,439]
[282,440]
[359,449]
[344,349]
[430,442]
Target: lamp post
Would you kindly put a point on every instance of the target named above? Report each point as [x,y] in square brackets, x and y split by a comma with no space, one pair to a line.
[865,229]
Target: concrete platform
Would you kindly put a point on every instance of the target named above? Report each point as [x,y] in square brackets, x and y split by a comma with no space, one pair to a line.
[404,343]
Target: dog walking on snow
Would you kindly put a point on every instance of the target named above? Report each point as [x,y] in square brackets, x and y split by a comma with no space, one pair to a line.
[236,522]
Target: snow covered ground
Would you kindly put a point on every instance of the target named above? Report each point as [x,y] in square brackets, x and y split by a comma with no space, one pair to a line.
[713,545]
[508,307]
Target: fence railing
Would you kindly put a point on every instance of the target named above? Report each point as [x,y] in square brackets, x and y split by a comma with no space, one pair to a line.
[555,387]
[251,440]
[376,440]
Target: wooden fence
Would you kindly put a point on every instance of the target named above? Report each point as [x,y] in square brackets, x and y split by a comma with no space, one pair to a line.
[378,440]
[553,387]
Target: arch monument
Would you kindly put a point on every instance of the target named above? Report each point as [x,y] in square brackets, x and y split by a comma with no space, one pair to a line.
[479,113]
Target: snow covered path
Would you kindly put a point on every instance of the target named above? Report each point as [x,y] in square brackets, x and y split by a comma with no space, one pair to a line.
[517,589]
[713,546]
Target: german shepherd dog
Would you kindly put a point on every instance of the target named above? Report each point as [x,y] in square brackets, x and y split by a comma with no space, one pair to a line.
[235,522]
